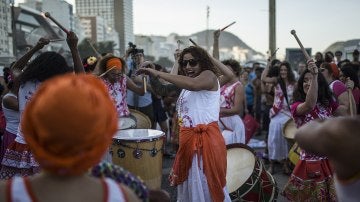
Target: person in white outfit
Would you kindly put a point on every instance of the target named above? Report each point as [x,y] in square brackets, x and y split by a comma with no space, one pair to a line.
[199,169]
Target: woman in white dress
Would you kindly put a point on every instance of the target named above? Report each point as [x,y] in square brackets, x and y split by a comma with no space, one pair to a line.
[199,169]
[279,113]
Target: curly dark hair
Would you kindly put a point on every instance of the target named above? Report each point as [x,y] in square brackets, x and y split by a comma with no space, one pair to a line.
[235,66]
[45,66]
[348,70]
[324,93]
[201,56]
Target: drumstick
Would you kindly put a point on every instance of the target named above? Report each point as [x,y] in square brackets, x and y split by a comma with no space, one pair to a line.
[193,42]
[178,44]
[293,32]
[350,103]
[94,49]
[227,26]
[144,84]
[55,40]
[47,14]
[103,74]
[272,55]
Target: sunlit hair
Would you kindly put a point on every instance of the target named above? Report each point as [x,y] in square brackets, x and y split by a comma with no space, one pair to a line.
[235,65]
[324,93]
[45,66]
[201,56]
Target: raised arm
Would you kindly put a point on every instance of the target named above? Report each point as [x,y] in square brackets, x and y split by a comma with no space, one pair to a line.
[264,74]
[72,41]
[21,63]
[205,81]
[312,94]
[175,68]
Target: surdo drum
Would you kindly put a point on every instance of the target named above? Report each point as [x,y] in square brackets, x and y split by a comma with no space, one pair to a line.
[140,152]
[246,177]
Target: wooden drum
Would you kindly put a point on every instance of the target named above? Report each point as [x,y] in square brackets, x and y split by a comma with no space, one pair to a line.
[140,152]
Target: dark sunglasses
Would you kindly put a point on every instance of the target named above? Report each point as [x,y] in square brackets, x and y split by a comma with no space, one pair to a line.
[191,62]
[322,69]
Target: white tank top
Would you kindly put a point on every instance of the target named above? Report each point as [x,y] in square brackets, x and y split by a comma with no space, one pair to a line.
[12,117]
[198,107]
[26,91]
[19,192]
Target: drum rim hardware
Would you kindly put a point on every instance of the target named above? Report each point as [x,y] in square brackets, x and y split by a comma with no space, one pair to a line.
[137,153]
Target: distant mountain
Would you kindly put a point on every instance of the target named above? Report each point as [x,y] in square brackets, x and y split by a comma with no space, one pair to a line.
[335,46]
[227,40]
[344,46]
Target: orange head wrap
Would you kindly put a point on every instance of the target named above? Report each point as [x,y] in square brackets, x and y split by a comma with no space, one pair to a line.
[69,123]
[114,62]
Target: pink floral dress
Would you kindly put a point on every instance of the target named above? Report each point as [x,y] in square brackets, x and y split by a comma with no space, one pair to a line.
[117,92]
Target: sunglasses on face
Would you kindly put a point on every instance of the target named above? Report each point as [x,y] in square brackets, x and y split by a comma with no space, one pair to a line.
[191,62]
[322,69]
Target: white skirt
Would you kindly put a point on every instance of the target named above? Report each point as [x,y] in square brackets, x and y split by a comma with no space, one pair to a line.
[277,144]
[234,123]
[195,188]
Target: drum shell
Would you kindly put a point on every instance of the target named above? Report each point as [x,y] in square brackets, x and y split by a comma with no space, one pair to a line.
[259,186]
[148,166]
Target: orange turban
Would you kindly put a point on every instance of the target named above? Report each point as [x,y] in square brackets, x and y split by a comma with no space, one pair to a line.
[69,123]
[114,62]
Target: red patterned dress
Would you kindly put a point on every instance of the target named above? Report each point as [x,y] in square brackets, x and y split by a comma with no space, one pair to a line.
[312,178]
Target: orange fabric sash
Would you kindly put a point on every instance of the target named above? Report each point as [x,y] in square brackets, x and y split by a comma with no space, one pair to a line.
[206,141]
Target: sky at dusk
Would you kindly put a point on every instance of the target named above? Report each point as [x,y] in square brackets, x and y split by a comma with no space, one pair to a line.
[318,23]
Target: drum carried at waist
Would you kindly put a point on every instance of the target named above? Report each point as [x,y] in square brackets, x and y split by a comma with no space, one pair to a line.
[140,152]
[289,131]
[246,177]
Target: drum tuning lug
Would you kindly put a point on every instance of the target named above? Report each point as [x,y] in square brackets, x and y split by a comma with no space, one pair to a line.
[137,153]
[153,152]
[121,153]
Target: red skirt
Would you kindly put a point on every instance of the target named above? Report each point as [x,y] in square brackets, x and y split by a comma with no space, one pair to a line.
[311,180]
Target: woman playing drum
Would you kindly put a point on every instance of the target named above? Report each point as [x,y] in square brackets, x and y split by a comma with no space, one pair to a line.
[312,178]
[279,113]
[111,69]
[199,169]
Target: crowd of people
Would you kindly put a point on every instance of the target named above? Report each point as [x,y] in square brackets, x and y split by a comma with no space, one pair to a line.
[58,122]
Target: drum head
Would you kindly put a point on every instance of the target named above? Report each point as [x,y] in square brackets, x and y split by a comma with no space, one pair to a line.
[138,134]
[240,165]
[126,123]
[289,129]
